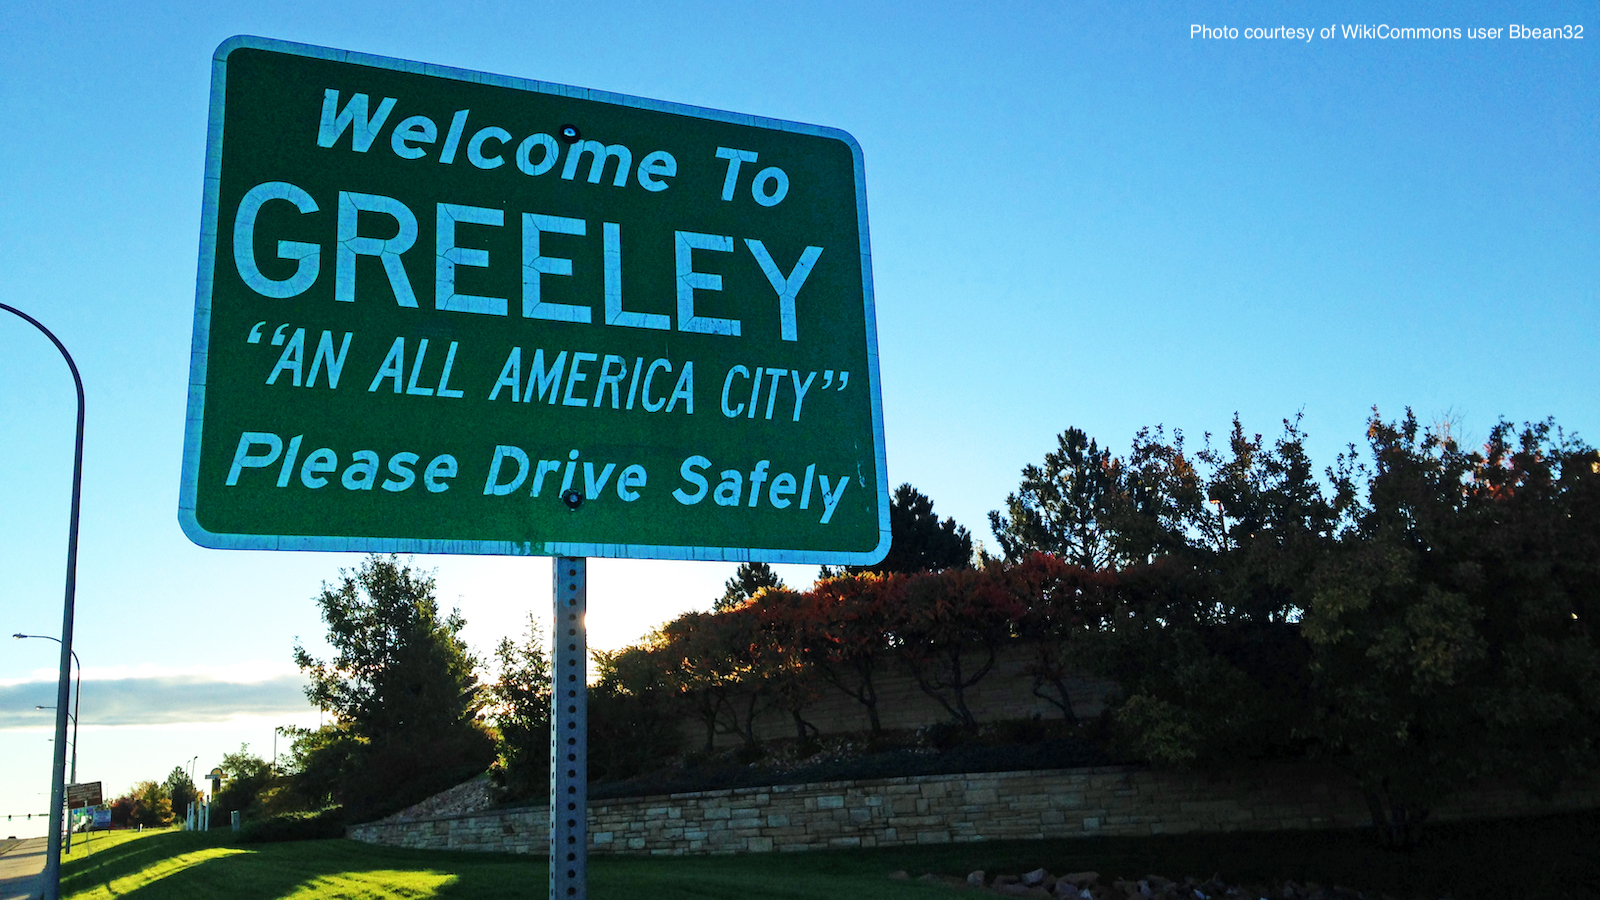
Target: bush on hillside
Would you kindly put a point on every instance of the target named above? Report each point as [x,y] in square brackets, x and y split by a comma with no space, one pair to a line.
[300,826]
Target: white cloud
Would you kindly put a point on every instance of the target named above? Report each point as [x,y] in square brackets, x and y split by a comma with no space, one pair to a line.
[244,672]
[183,696]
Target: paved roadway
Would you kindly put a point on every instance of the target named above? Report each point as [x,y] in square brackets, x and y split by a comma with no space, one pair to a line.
[21,863]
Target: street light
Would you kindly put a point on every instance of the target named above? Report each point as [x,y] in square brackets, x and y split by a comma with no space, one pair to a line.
[69,603]
[74,742]
[77,703]
[276,730]
[188,813]
[77,706]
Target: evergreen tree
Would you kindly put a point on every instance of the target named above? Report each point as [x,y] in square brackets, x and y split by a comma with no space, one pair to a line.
[746,581]
[520,707]
[181,790]
[1062,507]
[920,542]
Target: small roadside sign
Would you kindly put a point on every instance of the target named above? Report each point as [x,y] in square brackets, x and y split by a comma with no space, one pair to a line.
[82,795]
[444,311]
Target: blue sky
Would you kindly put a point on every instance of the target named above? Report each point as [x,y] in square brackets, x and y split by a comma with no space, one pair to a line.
[1080,216]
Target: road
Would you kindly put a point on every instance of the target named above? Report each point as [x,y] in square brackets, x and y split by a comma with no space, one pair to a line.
[21,863]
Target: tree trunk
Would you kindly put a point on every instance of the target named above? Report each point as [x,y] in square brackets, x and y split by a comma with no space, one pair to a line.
[863,692]
[804,730]
[1397,825]
[1060,699]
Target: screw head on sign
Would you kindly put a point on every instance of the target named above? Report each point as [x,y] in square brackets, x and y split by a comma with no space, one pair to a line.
[573,499]
[570,134]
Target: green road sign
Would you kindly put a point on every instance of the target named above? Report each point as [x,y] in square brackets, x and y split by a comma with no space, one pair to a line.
[437,309]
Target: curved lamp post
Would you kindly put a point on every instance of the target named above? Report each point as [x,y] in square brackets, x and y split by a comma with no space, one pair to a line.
[52,860]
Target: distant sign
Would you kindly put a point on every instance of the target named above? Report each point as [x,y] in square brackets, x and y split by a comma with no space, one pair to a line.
[85,794]
[102,818]
[438,309]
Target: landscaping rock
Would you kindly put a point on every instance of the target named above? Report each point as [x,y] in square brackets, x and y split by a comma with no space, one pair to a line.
[1065,889]
[1086,885]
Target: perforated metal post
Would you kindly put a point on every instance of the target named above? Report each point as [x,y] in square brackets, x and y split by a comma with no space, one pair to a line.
[569,735]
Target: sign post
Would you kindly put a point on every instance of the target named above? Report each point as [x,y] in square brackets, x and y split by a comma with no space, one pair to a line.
[443,311]
[569,731]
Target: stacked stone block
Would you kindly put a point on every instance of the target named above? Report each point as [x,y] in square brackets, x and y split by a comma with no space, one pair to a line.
[941,809]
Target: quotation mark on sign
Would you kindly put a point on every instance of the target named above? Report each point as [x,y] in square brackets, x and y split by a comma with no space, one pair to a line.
[827,378]
[277,336]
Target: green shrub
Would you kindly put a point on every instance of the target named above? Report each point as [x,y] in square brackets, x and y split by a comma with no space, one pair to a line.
[301,826]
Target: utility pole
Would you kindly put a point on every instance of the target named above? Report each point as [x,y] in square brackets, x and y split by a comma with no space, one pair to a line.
[77,707]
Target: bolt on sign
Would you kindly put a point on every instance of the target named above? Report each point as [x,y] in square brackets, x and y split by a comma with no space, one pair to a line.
[442,311]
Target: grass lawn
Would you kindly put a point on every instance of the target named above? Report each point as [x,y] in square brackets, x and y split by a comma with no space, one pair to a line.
[1556,856]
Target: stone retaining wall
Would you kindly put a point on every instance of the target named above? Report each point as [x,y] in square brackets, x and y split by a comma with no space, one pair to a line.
[940,809]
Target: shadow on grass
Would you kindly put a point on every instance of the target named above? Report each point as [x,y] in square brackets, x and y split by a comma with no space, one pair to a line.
[1552,856]
[1539,857]
[1547,856]
[169,868]
[197,865]
[103,865]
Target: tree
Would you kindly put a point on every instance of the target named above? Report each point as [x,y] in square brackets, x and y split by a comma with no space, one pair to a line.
[1450,626]
[181,790]
[919,541]
[152,806]
[122,810]
[401,682]
[953,623]
[1210,555]
[1274,524]
[320,762]
[788,675]
[1159,509]
[520,709]
[709,663]
[400,670]
[1065,609]
[633,725]
[1186,698]
[1062,507]
[846,633]
[750,578]
[1540,547]
[245,776]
